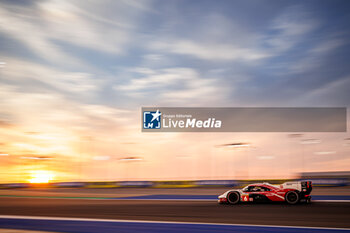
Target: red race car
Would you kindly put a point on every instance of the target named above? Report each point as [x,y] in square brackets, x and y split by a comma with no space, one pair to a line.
[290,192]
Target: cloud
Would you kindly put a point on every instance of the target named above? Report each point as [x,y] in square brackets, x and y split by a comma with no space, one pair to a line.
[173,85]
[218,38]
[315,57]
[333,93]
[21,71]
[212,37]
[289,28]
[88,30]
[33,36]
[209,51]
[154,79]
[42,26]
[53,110]
[76,73]
[4,124]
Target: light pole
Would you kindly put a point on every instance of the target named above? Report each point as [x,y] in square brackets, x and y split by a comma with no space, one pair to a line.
[325,153]
[237,145]
[347,144]
[183,166]
[3,155]
[310,141]
[102,158]
[271,161]
[292,136]
[129,159]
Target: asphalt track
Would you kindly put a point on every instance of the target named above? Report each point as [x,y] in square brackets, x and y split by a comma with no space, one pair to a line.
[320,214]
[81,225]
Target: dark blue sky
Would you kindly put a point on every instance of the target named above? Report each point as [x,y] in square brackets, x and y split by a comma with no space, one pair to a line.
[196,53]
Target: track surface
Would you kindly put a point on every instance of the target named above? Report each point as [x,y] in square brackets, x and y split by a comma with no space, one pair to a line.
[123,192]
[315,214]
[74,225]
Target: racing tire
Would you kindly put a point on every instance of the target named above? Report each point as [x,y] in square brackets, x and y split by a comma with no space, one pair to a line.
[292,197]
[233,198]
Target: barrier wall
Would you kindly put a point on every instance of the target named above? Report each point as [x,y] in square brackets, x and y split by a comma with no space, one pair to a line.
[329,182]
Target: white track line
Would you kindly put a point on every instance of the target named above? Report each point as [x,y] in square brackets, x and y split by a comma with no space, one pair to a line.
[161,199]
[330,200]
[214,200]
[160,222]
[152,199]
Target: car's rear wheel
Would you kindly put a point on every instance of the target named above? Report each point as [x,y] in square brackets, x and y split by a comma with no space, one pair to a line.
[233,197]
[292,197]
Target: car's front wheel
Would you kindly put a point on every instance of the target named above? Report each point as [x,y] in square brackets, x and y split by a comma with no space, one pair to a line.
[292,197]
[233,198]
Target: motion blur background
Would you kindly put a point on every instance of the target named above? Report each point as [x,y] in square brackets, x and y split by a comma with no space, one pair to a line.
[75,74]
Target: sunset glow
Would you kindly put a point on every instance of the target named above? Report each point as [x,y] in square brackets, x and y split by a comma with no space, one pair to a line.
[74,76]
[40,177]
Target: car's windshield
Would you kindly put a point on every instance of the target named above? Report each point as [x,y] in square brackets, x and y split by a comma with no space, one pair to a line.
[255,188]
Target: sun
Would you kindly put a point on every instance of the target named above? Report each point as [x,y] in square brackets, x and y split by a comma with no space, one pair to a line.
[40,176]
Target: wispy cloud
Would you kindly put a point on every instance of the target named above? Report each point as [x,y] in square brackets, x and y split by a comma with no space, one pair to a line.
[289,29]
[21,71]
[43,26]
[314,58]
[174,85]
[209,51]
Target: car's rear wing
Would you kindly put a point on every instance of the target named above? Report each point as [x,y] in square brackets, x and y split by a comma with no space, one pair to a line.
[301,186]
[306,186]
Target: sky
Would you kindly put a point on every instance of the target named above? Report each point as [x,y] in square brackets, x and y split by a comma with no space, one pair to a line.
[75,74]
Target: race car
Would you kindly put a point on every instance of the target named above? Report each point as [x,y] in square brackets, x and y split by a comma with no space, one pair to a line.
[290,192]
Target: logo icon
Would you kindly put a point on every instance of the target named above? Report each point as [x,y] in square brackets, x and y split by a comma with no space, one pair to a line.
[151,120]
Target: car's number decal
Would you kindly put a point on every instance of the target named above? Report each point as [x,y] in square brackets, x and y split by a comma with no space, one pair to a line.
[245,197]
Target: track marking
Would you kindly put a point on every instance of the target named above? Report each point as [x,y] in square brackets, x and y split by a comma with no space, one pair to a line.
[330,201]
[163,199]
[161,222]
[138,198]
